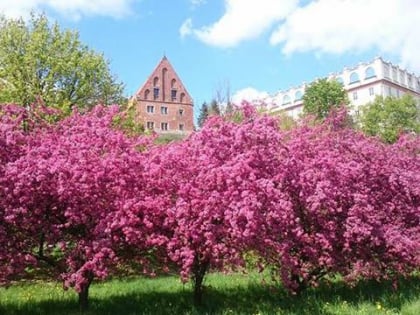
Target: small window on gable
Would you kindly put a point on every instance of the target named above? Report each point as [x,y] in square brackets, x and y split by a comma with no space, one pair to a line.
[298,95]
[354,78]
[173,83]
[370,73]
[182,98]
[155,81]
[173,95]
[155,93]
[339,80]
[286,100]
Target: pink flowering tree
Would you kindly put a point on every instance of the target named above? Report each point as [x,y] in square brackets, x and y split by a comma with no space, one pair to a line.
[212,187]
[61,195]
[348,204]
[12,141]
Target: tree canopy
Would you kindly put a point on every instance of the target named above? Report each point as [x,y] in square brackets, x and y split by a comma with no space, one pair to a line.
[323,95]
[83,199]
[38,60]
[389,117]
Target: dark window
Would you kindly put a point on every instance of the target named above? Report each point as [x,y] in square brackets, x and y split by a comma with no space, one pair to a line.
[173,95]
[150,109]
[164,110]
[155,93]
[164,126]
[354,95]
[150,125]
[181,127]
[181,112]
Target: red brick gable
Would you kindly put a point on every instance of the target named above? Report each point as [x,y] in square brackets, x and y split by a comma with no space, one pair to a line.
[163,103]
[166,79]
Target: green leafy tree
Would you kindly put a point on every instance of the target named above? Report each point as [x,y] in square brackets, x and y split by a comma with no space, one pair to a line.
[389,117]
[204,113]
[323,95]
[214,108]
[38,60]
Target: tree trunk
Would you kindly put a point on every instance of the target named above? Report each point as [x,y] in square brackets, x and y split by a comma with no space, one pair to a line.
[84,294]
[302,285]
[199,271]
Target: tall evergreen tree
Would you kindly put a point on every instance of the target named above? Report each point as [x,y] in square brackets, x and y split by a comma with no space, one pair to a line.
[214,108]
[204,113]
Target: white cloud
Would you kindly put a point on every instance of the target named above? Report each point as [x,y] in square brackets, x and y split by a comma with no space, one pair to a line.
[186,28]
[249,94]
[243,20]
[339,26]
[196,3]
[74,8]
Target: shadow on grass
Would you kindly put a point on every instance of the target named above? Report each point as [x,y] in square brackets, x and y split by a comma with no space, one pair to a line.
[251,299]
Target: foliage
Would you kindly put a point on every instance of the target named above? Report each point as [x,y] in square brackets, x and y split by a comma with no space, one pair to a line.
[82,198]
[208,207]
[204,113]
[127,121]
[345,204]
[61,196]
[389,117]
[323,95]
[39,60]
[214,108]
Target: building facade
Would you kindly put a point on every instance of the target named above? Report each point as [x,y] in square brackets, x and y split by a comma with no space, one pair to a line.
[163,103]
[363,83]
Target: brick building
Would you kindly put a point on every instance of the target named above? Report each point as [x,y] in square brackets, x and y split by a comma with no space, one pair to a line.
[163,103]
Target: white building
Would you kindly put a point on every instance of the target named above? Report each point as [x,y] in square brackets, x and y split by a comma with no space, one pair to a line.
[363,83]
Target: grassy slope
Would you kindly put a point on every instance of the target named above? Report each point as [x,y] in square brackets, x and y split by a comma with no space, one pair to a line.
[233,294]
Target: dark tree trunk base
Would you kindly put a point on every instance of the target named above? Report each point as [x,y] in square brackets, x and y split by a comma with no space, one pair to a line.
[84,295]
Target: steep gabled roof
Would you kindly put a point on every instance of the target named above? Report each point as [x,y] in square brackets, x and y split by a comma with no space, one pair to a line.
[164,66]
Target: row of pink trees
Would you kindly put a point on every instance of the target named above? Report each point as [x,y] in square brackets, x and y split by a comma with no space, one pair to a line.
[81,197]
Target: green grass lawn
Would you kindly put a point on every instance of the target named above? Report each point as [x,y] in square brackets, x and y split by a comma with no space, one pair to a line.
[224,294]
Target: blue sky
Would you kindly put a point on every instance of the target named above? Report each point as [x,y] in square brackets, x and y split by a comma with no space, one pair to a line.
[253,47]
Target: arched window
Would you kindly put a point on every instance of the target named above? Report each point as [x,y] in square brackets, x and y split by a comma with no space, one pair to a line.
[155,81]
[298,95]
[182,97]
[354,78]
[146,94]
[286,100]
[369,73]
[339,80]
[173,82]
